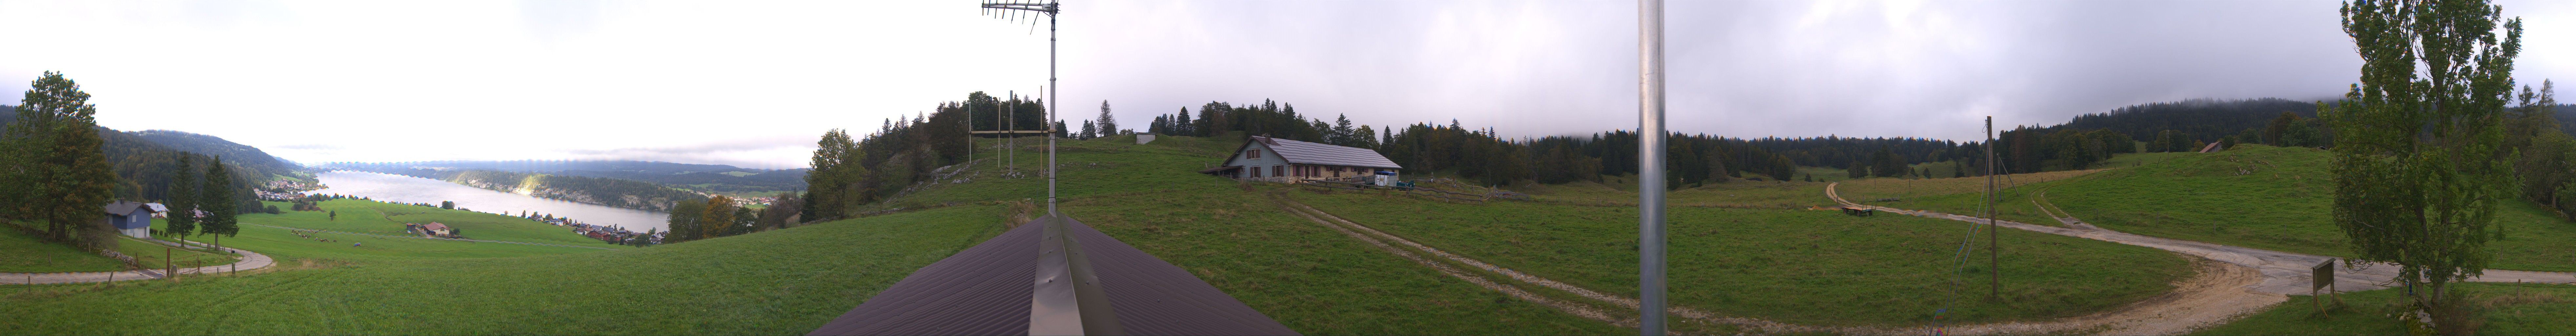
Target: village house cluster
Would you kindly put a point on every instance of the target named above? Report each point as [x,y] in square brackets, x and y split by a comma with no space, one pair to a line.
[610,234]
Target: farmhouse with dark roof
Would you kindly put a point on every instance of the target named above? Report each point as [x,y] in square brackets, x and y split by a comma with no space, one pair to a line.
[1280,160]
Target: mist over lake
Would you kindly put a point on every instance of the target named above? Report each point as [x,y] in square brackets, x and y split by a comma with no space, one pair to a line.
[406,189]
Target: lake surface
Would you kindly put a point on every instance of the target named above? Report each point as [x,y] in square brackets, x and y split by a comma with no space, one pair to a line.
[406,189]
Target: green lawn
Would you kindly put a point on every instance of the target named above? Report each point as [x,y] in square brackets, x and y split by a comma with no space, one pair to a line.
[790,281]
[2272,198]
[29,254]
[365,216]
[1796,266]
[2503,309]
[1302,274]
[1963,196]
[779,282]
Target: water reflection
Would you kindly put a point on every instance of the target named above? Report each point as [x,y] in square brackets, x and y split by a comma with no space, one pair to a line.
[406,189]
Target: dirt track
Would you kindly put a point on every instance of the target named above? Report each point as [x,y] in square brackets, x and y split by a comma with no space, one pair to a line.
[2281,273]
[2215,294]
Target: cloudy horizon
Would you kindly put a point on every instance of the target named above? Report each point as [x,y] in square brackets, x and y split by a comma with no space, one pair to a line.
[752,84]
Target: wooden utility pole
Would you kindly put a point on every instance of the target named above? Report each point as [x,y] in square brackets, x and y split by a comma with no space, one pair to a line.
[1994,262]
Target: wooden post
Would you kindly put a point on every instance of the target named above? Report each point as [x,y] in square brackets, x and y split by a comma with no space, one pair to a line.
[169,268]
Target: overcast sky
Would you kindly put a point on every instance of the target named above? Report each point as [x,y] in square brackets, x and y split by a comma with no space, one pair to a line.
[753,83]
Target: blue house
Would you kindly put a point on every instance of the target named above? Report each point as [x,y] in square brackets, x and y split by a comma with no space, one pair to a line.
[130,218]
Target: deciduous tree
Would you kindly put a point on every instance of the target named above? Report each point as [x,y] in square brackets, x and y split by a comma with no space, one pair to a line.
[2419,162]
[60,172]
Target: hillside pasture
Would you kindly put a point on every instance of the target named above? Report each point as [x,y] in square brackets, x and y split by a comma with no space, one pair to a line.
[1795,266]
[778,282]
[2501,309]
[2274,198]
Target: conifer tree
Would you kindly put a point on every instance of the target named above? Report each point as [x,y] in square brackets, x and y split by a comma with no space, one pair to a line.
[1108,124]
[217,200]
[183,198]
[61,176]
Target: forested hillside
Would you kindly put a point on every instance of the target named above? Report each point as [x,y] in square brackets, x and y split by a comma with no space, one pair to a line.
[144,167]
[244,155]
[852,169]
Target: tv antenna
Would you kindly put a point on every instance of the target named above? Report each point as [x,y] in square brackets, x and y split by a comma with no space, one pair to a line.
[1015,11]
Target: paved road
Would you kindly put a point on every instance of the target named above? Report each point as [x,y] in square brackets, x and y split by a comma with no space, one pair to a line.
[250,261]
[2283,272]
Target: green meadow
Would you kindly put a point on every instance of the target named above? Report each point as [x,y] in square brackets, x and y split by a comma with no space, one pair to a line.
[1798,266]
[29,254]
[2502,309]
[779,282]
[2272,198]
[1302,274]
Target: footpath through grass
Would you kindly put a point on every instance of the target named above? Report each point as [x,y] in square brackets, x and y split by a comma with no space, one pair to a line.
[1963,195]
[778,282]
[2502,309]
[1796,266]
[1302,274]
[2273,198]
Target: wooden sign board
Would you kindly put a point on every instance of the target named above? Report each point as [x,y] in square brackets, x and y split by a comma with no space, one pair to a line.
[2321,276]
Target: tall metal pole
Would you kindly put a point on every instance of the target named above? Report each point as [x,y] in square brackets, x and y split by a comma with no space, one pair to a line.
[1051,105]
[1650,168]
[1011,149]
[1995,275]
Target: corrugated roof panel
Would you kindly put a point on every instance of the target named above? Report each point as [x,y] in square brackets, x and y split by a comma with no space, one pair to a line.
[1153,297]
[985,290]
[1322,154]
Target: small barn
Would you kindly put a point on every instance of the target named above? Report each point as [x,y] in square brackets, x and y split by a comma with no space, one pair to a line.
[1281,160]
[437,229]
[130,218]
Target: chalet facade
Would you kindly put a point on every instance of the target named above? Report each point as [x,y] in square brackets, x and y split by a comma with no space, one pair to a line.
[130,218]
[1281,160]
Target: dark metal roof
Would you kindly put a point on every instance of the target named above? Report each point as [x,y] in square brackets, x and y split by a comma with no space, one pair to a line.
[987,289]
[122,208]
[1322,154]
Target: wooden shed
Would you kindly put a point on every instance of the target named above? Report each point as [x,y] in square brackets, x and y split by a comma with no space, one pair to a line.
[1280,160]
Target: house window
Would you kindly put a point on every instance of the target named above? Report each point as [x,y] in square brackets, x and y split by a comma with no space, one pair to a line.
[1252,154]
[1256,171]
[1279,170]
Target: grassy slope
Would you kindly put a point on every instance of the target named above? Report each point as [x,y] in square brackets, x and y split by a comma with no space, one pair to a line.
[380,217]
[1959,195]
[372,217]
[1799,266]
[2507,309]
[30,254]
[1306,276]
[779,282]
[2272,198]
